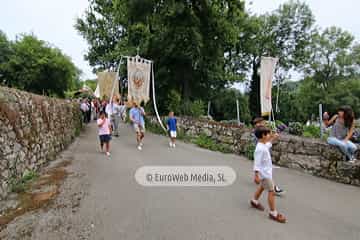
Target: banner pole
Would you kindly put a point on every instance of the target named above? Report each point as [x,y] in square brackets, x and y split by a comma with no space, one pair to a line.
[114,82]
[154,98]
[321,120]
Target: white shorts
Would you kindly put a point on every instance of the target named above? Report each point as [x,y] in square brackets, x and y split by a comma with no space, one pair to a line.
[173,134]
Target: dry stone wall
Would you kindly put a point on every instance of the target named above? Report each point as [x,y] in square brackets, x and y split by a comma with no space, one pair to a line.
[313,156]
[33,129]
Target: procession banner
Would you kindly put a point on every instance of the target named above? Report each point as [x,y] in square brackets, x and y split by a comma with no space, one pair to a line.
[97,91]
[267,70]
[106,82]
[139,70]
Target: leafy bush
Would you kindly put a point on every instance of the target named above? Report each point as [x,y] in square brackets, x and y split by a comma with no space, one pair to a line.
[208,143]
[174,102]
[154,127]
[296,128]
[193,109]
[181,135]
[311,131]
[197,108]
[20,185]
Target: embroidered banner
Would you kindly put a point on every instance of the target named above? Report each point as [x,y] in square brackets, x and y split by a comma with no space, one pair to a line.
[106,84]
[139,71]
[267,70]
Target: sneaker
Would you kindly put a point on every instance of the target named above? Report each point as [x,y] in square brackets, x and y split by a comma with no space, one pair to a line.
[174,145]
[139,147]
[278,191]
[170,144]
[107,154]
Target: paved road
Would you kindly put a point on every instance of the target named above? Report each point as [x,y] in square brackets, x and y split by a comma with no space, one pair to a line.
[100,199]
[119,208]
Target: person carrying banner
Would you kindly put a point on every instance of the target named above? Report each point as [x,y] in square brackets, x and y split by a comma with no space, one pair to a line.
[137,119]
[116,116]
[123,111]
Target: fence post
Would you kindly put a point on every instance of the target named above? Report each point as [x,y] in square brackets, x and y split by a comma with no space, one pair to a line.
[238,111]
[209,104]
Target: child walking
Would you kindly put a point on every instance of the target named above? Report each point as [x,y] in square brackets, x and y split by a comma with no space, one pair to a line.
[171,126]
[137,118]
[263,165]
[260,122]
[104,126]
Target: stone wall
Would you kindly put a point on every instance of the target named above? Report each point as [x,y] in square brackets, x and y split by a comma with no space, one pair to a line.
[33,129]
[313,156]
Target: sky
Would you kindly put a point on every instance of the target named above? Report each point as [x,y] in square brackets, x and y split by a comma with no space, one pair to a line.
[53,21]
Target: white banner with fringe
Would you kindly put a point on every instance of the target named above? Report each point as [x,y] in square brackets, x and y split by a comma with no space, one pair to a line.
[267,70]
[139,72]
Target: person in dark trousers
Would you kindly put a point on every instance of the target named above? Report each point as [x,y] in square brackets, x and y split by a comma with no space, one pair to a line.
[88,113]
[84,109]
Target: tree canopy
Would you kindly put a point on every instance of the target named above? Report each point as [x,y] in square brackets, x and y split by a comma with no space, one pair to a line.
[200,48]
[186,39]
[33,65]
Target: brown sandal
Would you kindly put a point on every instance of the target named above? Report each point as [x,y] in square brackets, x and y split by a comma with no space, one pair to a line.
[257,206]
[278,218]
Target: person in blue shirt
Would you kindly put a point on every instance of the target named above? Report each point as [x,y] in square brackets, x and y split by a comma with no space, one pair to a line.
[171,126]
[137,119]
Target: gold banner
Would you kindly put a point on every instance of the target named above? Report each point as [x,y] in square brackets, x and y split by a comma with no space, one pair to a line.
[105,82]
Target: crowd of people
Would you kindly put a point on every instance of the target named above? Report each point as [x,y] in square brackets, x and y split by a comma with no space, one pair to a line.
[109,115]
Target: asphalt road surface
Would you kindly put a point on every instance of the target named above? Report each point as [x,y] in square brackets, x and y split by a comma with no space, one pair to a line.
[119,208]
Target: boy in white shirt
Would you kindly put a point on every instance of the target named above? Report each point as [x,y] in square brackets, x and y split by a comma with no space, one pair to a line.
[263,165]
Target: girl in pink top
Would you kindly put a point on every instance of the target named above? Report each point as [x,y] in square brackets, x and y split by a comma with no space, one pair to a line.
[104,126]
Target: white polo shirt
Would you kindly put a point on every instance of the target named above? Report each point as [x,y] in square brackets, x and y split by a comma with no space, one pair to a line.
[262,160]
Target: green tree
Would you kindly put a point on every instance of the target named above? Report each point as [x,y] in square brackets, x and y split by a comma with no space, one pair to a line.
[285,33]
[186,39]
[291,106]
[33,65]
[333,57]
[343,92]
[224,105]
[92,83]
[5,54]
